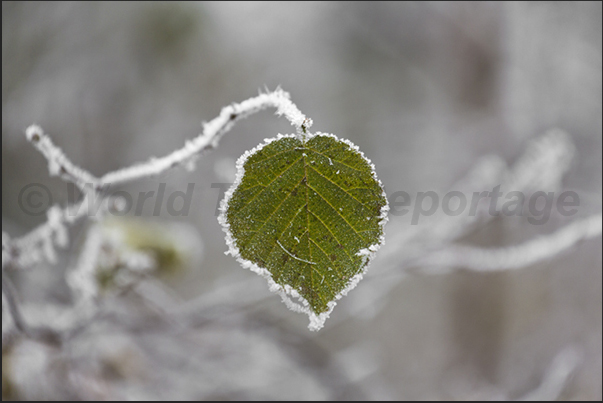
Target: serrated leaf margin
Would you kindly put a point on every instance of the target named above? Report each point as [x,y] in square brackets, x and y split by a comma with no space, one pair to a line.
[287,293]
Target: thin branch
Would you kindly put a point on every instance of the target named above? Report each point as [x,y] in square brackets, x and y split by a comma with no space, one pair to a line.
[9,295]
[212,133]
[7,253]
[43,333]
[541,167]
[37,245]
[58,163]
[556,377]
[515,257]
[82,277]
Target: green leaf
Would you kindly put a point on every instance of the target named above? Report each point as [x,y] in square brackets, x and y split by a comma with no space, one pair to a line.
[307,213]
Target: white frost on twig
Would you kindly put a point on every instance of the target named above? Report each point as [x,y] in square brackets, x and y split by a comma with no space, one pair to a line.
[37,245]
[8,325]
[515,257]
[543,164]
[556,377]
[211,135]
[82,278]
[6,252]
[58,163]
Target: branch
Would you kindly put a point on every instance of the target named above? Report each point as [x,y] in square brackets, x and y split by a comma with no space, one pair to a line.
[212,133]
[557,375]
[82,277]
[42,333]
[541,167]
[58,163]
[515,257]
[38,244]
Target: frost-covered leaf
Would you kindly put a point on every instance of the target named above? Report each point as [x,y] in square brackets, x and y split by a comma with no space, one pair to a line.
[307,214]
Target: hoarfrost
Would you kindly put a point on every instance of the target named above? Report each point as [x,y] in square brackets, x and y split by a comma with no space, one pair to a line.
[291,297]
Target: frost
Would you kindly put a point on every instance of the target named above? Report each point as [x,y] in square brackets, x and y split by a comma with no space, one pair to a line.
[291,297]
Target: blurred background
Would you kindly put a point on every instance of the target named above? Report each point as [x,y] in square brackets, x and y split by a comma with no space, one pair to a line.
[425,89]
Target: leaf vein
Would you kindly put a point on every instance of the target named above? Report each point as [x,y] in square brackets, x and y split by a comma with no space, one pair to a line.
[342,189]
[337,212]
[271,156]
[267,186]
[273,212]
[332,234]
[338,161]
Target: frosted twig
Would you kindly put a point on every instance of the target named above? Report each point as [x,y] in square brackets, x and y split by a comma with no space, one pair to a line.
[42,333]
[58,163]
[556,377]
[8,295]
[543,164]
[541,167]
[212,133]
[38,244]
[6,249]
[515,257]
[82,279]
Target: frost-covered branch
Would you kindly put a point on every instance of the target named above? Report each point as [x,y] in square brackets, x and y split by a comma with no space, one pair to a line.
[541,167]
[58,163]
[39,244]
[8,296]
[82,278]
[212,133]
[557,375]
[518,256]
[44,333]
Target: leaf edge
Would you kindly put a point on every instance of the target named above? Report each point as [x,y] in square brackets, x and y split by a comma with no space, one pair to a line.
[286,292]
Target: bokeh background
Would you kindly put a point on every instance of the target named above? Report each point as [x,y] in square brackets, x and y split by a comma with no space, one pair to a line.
[425,89]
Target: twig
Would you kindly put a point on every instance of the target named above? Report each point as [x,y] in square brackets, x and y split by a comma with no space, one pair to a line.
[212,133]
[515,257]
[82,278]
[556,377]
[58,163]
[38,244]
[42,333]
